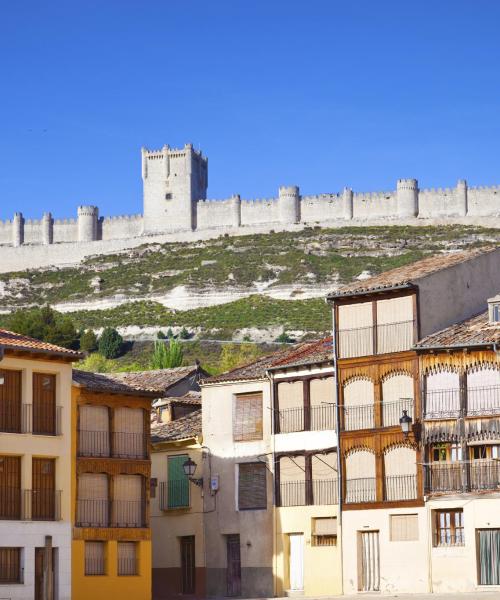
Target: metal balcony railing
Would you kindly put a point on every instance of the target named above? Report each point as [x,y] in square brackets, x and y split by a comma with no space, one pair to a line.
[21,420]
[118,444]
[400,487]
[30,505]
[107,513]
[318,492]
[462,476]
[314,418]
[382,339]
[175,494]
[458,402]
[361,490]
[440,404]
[483,401]
[363,416]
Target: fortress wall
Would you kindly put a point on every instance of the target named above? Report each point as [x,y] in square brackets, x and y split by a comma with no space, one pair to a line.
[216,213]
[483,201]
[441,202]
[255,212]
[374,205]
[5,232]
[32,231]
[315,209]
[126,226]
[65,230]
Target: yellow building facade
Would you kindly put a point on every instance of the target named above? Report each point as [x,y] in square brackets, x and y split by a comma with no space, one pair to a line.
[111,540]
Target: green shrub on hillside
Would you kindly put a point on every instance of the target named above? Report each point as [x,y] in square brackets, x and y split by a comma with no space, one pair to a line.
[110,343]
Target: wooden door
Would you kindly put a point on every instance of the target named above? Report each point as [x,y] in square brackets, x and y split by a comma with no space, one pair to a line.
[44,404]
[233,565]
[10,401]
[296,562]
[370,562]
[42,572]
[489,556]
[43,495]
[10,487]
[188,565]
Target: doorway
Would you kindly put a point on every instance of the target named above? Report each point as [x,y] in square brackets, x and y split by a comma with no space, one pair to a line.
[187,564]
[43,504]
[370,561]
[296,561]
[233,565]
[489,556]
[45,573]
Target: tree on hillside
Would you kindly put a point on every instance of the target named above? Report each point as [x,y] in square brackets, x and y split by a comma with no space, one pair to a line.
[167,355]
[96,363]
[45,324]
[110,343]
[88,341]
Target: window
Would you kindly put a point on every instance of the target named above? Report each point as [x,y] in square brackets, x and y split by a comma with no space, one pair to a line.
[44,404]
[95,558]
[446,453]
[404,528]
[324,531]
[10,565]
[153,484]
[247,417]
[178,483]
[449,527]
[127,558]
[92,506]
[495,313]
[484,451]
[252,492]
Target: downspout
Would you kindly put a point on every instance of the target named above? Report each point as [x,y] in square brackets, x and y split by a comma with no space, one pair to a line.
[337,431]
[275,515]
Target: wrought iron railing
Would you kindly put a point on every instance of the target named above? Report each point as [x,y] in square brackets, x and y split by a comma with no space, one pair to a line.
[361,490]
[392,411]
[363,416]
[107,513]
[128,566]
[175,494]
[42,420]
[314,418]
[462,476]
[318,492]
[483,401]
[457,402]
[400,487]
[118,444]
[29,505]
[382,339]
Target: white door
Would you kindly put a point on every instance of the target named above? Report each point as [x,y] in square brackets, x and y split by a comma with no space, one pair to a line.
[296,561]
[370,562]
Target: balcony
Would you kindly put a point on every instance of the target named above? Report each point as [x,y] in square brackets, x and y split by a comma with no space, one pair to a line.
[175,494]
[118,444]
[313,418]
[362,489]
[462,476]
[24,420]
[30,505]
[366,416]
[380,339]
[458,402]
[318,492]
[400,487]
[110,513]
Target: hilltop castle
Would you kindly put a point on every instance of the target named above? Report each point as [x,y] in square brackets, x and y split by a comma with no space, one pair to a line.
[174,203]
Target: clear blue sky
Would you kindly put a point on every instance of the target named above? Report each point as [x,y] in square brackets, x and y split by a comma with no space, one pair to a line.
[319,93]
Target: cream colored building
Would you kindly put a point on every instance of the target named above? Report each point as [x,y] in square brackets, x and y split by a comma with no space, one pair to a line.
[35,469]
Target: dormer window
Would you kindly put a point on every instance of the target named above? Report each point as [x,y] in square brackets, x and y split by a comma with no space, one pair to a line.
[494,309]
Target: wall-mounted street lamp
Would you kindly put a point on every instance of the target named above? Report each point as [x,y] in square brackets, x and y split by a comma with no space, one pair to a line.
[189,468]
[405,421]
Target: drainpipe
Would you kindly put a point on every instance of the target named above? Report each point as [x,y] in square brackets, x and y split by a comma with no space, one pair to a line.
[275,515]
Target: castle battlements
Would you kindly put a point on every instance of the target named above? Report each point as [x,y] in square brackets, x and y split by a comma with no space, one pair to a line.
[175,182]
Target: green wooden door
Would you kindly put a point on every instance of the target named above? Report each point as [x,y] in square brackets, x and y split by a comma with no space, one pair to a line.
[178,483]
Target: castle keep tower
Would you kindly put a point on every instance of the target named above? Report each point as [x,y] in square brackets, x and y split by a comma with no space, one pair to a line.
[407,198]
[173,182]
[87,223]
[289,204]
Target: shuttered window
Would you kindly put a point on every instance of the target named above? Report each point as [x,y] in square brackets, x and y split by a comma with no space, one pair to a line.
[127,558]
[44,404]
[324,531]
[247,417]
[178,483]
[128,432]
[93,434]
[10,401]
[92,502]
[128,506]
[252,491]
[10,565]
[10,487]
[404,528]
[95,558]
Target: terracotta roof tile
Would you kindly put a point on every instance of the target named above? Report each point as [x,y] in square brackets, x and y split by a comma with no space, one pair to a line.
[15,341]
[181,429]
[409,274]
[105,383]
[192,398]
[472,332]
[159,379]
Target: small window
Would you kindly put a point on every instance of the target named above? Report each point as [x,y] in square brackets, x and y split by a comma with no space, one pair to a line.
[252,491]
[247,417]
[478,452]
[153,484]
[168,196]
[10,565]
[324,531]
[495,313]
[446,453]
[449,527]
[178,483]
[404,528]
[95,558]
[127,558]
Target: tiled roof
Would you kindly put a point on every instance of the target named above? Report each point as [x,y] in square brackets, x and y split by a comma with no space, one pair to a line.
[409,274]
[302,354]
[472,332]
[181,429]
[15,341]
[158,379]
[105,383]
[192,398]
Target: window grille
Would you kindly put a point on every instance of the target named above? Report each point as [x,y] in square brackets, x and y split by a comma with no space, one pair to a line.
[10,565]
[324,531]
[127,558]
[95,558]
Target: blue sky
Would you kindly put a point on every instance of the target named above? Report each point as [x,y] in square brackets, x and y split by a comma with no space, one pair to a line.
[319,93]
